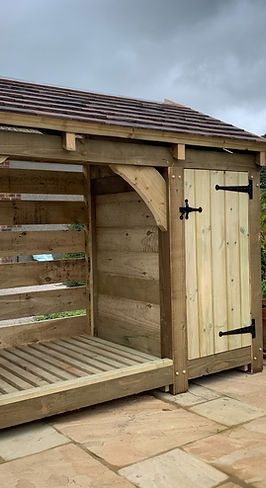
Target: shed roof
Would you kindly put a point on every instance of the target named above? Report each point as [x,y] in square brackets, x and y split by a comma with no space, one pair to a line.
[18,97]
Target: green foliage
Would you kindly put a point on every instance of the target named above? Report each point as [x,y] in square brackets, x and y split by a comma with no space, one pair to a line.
[59,315]
[263,230]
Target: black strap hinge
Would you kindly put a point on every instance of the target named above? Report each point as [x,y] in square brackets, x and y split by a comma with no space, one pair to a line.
[241,188]
[249,329]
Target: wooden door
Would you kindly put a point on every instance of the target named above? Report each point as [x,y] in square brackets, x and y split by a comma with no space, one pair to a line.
[217,262]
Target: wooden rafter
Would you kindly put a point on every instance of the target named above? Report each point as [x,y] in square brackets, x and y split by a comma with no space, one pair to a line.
[151,187]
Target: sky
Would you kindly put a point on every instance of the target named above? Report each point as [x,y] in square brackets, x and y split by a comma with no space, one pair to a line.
[209,55]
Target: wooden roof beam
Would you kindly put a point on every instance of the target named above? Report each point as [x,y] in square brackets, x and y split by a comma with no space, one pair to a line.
[101,129]
[151,187]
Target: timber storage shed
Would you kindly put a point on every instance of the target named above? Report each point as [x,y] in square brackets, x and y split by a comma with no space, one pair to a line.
[153,212]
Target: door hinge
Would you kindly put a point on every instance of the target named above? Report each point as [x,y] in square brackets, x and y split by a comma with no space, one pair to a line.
[187,209]
[241,189]
[249,329]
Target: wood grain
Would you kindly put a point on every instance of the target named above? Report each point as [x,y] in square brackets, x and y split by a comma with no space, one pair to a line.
[41,242]
[40,182]
[151,187]
[18,212]
[41,302]
[40,273]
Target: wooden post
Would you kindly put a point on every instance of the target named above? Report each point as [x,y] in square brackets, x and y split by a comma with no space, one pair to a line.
[255,273]
[173,284]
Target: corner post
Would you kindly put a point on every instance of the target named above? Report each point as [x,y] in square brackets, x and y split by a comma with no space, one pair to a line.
[255,273]
[173,284]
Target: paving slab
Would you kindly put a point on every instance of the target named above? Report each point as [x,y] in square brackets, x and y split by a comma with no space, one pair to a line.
[230,484]
[195,394]
[239,451]
[65,466]
[123,432]
[28,439]
[171,470]
[228,411]
[246,387]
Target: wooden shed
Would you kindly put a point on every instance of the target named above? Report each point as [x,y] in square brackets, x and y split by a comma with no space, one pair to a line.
[153,211]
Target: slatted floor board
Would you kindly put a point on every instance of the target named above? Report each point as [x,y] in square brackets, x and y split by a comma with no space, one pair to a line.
[40,364]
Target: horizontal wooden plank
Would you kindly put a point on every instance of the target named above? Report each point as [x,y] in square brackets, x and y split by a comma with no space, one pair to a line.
[41,302]
[41,182]
[219,362]
[131,264]
[41,242]
[44,330]
[200,158]
[17,408]
[132,288]
[43,272]
[49,148]
[122,210]
[138,239]
[131,323]
[19,212]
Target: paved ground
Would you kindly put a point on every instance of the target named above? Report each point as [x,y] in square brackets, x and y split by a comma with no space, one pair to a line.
[214,435]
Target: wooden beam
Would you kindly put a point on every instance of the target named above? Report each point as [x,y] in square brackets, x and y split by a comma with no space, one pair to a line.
[3,159]
[44,147]
[261,158]
[255,272]
[172,284]
[179,152]
[69,142]
[100,129]
[151,187]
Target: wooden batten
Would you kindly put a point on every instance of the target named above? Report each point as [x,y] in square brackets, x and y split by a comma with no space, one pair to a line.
[261,158]
[179,151]
[150,185]
[69,142]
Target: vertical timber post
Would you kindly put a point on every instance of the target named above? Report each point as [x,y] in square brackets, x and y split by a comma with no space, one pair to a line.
[173,283]
[255,273]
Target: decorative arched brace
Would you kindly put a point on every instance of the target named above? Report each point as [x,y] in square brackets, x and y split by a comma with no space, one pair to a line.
[151,187]
[3,159]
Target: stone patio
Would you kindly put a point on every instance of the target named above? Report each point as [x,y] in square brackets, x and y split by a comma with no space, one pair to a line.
[212,436]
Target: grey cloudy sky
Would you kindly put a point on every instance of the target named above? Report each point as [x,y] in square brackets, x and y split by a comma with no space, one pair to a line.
[206,54]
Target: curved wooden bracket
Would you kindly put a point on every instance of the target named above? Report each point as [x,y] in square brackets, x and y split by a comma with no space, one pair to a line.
[3,159]
[151,187]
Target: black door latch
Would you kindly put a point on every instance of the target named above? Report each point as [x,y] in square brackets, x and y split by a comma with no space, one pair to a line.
[249,329]
[187,209]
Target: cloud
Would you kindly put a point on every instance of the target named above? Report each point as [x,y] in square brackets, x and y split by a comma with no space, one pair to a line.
[207,54]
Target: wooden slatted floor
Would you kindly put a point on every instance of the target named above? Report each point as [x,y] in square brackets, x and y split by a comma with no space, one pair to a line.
[36,365]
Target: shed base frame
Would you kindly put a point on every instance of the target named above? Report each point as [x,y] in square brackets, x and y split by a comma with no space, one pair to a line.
[95,371]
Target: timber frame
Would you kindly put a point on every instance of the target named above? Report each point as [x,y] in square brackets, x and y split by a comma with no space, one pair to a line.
[132,183]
